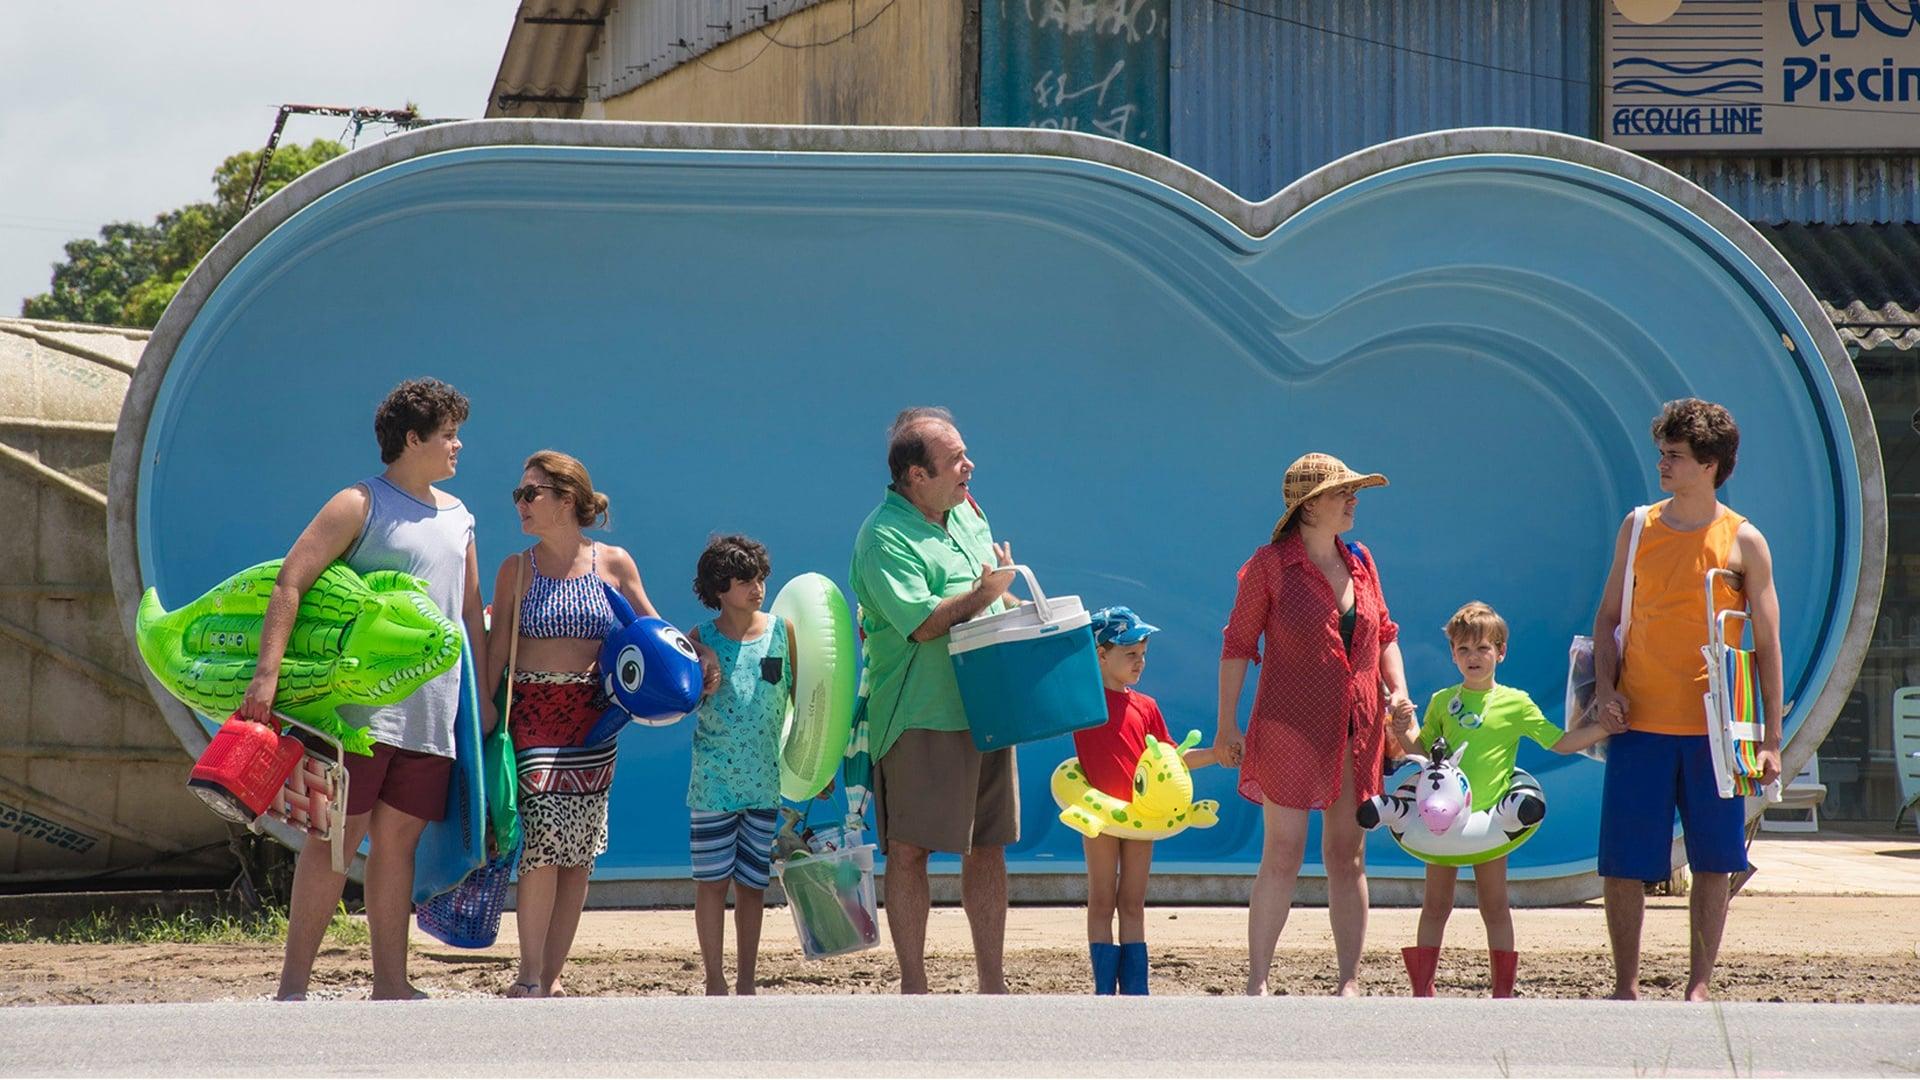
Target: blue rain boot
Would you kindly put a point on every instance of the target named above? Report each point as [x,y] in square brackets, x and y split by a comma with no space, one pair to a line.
[1106,965]
[1133,968]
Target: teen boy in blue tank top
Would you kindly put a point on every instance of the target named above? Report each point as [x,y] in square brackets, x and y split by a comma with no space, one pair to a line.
[397,520]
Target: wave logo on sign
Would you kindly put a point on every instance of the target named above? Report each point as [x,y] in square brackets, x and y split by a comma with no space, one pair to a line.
[1668,49]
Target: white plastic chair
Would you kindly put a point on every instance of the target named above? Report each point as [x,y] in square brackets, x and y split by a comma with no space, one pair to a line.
[1906,751]
[1806,792]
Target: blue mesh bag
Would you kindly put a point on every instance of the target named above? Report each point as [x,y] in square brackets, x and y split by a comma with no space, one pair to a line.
[467,916]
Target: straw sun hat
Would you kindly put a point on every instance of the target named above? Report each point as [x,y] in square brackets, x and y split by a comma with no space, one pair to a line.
[1313,475]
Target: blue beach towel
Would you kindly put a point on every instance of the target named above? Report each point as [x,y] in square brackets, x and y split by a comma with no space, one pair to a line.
[456,846]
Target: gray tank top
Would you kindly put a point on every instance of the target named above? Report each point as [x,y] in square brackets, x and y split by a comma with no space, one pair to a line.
[429,542]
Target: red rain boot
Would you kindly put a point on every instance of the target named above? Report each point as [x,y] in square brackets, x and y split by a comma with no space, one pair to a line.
[1421,961]
[1504,963]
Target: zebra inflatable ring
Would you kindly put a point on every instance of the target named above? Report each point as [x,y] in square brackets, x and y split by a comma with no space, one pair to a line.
[1432,818]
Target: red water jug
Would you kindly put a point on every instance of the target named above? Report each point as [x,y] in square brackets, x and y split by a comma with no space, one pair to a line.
[243,768]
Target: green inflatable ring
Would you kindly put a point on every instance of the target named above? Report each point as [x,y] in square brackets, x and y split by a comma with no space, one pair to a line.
[356,640]
[814,738]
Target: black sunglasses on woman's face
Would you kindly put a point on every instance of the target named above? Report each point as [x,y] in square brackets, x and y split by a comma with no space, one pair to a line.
[530,492]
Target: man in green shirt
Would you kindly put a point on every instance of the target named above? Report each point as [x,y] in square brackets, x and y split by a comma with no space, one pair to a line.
[923,561]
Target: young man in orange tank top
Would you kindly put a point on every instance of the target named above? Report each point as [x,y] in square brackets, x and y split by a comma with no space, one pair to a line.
[1655,680]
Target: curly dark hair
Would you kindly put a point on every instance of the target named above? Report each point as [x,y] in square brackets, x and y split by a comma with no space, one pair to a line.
[729,559]
[422,406]
[1706,428]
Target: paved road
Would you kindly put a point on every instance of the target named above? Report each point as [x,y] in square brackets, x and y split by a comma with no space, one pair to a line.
[863,1036]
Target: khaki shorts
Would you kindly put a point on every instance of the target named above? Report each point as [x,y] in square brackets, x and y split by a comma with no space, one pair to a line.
[935,790]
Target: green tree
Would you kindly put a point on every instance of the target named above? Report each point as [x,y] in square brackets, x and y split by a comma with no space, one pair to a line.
[128,275]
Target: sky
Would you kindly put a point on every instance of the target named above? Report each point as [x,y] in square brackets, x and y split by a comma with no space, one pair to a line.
[116,110]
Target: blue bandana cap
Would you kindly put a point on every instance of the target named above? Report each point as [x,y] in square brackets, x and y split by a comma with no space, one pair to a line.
[1119,626]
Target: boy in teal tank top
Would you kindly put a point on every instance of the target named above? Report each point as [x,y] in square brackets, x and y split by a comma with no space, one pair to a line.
[733,795]
[1485,722]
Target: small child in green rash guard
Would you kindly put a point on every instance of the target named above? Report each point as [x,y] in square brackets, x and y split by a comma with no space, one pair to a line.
[1487,721]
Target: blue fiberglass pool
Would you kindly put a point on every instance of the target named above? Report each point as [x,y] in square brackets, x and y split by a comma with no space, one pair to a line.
[1490,317]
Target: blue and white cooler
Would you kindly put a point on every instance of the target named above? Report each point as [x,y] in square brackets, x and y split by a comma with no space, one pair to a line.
[1028,673]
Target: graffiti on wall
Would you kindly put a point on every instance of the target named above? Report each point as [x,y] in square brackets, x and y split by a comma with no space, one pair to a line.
[1097,66]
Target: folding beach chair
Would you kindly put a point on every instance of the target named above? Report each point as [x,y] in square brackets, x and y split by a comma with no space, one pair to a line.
[1736,722]
[314,798]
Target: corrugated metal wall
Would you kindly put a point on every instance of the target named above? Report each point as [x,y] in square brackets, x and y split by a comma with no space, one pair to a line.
[1254,93]
[1098,66]
[1824,190]
[1265,91]
[645,39]
[831,62]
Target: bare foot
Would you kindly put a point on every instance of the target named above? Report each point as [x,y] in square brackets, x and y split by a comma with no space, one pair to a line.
[1257,988]
[744,989]
[555,990]
[1699,993]
[1350,988]
[409,992]
[717,989]
[523,989]
[297,995]
[1624,993]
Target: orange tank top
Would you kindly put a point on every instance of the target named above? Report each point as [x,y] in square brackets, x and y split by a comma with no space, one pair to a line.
[1663,675]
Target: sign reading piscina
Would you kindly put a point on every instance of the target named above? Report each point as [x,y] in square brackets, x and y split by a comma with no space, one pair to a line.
[1762,74]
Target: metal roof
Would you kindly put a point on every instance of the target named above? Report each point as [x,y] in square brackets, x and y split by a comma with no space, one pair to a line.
[543,72]
[1828,189]
[1866,329]
[1868,276]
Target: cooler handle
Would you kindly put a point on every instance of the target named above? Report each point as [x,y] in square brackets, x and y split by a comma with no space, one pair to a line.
[1033,588]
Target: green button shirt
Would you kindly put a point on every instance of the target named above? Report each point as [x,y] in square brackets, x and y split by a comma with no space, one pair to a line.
[903,567]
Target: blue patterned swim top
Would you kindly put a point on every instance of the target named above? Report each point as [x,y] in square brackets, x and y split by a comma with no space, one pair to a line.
[574,607]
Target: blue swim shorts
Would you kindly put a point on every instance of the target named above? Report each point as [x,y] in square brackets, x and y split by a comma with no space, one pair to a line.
[1649,778]
[736,844]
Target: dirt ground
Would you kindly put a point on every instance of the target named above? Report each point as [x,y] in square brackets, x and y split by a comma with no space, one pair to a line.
[1778,948]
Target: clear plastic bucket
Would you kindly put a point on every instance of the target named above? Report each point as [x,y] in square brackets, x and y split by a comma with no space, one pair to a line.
[833,838]
[831,897]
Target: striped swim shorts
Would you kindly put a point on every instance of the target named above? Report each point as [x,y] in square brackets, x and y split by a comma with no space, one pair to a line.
[734,844]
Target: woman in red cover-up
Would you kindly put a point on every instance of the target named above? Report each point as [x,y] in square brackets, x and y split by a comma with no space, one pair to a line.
[1315,738]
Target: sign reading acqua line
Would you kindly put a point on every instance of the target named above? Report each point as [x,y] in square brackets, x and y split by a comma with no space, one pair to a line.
[1762,74]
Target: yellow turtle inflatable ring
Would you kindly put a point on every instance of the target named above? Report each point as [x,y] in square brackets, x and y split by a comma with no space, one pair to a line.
[1162,803]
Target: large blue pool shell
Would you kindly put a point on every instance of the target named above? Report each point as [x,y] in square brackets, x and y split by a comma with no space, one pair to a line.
[723,337]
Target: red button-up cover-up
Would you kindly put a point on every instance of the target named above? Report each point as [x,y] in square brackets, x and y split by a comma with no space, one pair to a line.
[1316,699]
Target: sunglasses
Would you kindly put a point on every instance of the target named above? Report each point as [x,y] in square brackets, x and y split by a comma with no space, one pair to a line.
[530,492]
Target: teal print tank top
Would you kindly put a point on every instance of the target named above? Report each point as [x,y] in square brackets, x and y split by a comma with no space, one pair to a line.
[736,744]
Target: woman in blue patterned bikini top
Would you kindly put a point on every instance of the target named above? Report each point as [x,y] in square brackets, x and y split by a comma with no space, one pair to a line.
[558,589]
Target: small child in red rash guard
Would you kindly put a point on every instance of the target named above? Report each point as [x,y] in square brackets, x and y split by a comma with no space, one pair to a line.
[1117,868]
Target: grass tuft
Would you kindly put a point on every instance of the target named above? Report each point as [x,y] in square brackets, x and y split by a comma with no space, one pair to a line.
[185,928]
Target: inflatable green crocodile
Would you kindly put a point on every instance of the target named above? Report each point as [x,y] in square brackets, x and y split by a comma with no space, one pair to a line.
[356,640]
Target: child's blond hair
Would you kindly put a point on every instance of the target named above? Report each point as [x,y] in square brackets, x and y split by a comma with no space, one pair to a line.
[1476,621]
